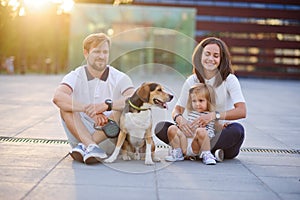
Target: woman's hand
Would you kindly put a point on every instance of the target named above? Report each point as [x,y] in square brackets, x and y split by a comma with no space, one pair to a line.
[185,127]
[203,120]
[226,124]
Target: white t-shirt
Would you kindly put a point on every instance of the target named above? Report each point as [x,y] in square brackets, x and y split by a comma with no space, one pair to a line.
[227,94]
[210,127]
[89,90]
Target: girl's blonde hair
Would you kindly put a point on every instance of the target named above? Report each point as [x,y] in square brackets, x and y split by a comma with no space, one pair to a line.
[204,90]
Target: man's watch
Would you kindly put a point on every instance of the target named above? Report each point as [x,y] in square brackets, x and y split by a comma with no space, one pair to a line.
[218,115]
[109,103]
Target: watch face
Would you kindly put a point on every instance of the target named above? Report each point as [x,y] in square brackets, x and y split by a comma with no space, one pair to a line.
[108,101]
[218,115]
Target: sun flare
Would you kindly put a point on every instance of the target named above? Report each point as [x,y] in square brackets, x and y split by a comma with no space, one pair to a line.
[25,7]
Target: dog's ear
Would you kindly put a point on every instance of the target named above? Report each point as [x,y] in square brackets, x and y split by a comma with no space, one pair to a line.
[144,92]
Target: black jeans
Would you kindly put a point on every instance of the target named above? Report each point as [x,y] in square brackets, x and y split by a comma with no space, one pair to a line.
[230,139]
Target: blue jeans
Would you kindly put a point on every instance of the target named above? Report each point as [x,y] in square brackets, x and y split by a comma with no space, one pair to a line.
[230,139]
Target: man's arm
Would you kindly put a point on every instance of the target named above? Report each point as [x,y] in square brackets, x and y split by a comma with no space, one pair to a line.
[63,99]
[118,105]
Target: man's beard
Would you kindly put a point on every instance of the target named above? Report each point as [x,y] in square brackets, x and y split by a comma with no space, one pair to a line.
[99,66]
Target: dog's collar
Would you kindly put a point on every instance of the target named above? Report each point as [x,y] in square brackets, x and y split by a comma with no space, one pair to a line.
[135,107]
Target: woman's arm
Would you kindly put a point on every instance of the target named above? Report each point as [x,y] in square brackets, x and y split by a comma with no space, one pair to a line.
[177,112]
[181,122]
[238,112]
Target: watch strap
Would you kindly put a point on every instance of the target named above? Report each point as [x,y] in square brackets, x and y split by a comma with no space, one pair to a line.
[108,102]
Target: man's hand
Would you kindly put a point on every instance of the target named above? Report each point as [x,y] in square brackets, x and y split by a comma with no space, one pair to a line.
[100,120]
[93,109]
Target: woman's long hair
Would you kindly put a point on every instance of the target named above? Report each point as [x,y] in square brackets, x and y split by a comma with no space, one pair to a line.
[224,69]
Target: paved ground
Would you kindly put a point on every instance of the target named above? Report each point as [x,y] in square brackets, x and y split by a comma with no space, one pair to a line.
[35,169]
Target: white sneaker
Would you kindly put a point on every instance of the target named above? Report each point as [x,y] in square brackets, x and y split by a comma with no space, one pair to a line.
[78,152]
[219,155]
[175,155]
[208,158]
[94,154]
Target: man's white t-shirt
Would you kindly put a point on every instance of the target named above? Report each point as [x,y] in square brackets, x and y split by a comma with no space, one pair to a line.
[89,90]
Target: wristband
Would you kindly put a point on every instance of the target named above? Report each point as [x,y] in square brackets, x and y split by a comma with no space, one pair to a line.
[176,117]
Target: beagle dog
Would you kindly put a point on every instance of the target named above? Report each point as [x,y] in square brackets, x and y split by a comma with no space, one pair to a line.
[136,124]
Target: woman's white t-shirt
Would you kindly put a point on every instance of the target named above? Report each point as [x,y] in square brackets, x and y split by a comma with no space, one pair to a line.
[227,94]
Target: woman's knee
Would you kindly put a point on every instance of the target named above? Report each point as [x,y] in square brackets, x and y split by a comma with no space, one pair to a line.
[233,132]
[235,138]
[161,130]
[237,131]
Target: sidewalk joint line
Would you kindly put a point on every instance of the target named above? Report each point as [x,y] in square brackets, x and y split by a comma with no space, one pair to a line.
[38,183]
[58,141]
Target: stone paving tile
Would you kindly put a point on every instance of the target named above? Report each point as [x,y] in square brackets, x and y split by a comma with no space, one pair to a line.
[44,171]
[65,191]
[13,190]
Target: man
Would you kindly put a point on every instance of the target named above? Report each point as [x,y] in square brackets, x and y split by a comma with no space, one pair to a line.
[88,96]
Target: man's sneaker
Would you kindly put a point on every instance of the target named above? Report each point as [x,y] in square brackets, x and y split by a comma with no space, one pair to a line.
[219,155]
[208,158]
[78,152]
[175,155]
[94,154]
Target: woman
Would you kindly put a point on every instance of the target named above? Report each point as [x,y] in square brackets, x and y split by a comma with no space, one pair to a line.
[212,66]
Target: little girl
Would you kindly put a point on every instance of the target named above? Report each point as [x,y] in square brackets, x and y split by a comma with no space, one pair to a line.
[200,101]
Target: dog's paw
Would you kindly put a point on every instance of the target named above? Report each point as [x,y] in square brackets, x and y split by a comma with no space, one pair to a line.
[149,162]
[137,156]
[156,159]
[109,160]
[126,157]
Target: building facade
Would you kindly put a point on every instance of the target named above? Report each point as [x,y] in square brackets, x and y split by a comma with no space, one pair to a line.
[263,35]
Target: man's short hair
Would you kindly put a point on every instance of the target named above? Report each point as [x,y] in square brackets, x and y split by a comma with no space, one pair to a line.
[94,40]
